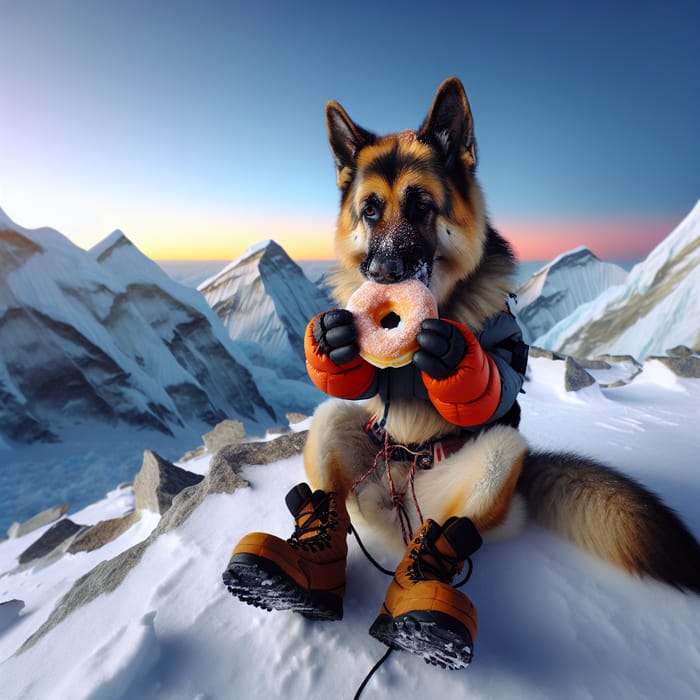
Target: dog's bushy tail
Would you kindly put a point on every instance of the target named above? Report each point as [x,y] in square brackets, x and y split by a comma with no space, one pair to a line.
[610,515]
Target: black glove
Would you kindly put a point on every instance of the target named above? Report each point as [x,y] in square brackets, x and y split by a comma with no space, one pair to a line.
[336,336]
[442,347]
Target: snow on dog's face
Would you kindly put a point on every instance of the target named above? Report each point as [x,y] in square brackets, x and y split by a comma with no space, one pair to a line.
[411,207]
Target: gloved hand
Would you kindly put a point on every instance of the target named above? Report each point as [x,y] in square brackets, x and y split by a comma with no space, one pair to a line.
[336,336]
[442,348]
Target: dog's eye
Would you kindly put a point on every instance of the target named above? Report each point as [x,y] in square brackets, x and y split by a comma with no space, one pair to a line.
[418,208]
[371,212]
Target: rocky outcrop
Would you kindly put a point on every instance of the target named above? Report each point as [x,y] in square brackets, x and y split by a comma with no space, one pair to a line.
[294,417]
[223,477]
[224,471]
[576,377]
[56,536]
[9,613]
[536,351]
[225,433]
[102,533]
[681,365]
[159,481]
[680,351]
[46,517]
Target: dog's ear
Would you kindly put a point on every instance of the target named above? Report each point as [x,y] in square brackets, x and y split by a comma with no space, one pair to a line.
[449,124]
[345,139]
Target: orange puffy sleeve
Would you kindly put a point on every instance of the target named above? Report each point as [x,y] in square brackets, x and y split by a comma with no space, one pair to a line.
[471,394]
[352,380]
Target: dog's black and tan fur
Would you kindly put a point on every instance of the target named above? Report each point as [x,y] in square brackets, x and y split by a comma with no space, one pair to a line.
[411,207]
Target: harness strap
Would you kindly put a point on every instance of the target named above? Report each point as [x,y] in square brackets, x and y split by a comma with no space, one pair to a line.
[420,456]
[426,455]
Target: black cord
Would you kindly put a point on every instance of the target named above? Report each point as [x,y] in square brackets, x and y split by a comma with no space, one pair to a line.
[372,672]
[368,555]
[467,576]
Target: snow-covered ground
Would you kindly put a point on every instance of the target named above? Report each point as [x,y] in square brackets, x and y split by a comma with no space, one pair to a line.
[554,622]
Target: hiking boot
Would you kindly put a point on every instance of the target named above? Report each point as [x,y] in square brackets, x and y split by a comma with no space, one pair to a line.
[305,573]
[422,612]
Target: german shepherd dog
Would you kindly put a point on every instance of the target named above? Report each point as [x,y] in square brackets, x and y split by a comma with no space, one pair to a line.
[429,455]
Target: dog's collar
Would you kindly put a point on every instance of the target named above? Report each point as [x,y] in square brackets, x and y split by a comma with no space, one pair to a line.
[425,455]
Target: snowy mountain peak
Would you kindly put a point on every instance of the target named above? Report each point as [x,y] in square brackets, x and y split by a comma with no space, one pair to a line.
[15,248]
[683,243]
[251,257]
[116,239]
[265,302]
[656,307]
[105,335]
[6,221]
[581,255]
[558,288]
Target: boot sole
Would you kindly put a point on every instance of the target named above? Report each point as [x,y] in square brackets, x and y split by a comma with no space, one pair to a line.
[262,583]
[438,638]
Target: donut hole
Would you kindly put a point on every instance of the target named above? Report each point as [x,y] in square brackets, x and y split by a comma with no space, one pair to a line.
[391,320]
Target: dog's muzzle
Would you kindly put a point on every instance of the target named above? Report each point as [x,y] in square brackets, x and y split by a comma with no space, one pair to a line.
[389,269]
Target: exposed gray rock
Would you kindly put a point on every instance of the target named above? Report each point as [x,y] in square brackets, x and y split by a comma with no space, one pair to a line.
[222,477]
[9,613]
[617,359]
[599,363]
[47,516]
[547,354]
[228,432]
[230,459]
[576,377]
[679,351]
[682,366]
[102,533]
[278,430]
[293,417]
[158,481]
[619,370]
[53,538]
[193,454]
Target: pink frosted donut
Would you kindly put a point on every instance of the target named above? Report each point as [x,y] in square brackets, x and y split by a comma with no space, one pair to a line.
[388,318]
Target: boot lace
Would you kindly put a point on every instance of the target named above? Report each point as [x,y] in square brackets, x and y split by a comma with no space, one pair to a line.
[312,531]
[428,562]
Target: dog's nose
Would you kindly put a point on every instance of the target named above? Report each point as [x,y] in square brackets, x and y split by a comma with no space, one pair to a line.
[386,270]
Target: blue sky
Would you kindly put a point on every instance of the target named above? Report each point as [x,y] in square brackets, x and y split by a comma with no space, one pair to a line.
[198,127]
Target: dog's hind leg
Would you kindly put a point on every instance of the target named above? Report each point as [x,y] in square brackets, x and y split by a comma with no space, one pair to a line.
[338,450]
[341,457]
[478,482]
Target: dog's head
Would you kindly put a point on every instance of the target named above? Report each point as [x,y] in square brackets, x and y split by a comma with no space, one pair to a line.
[411,206]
